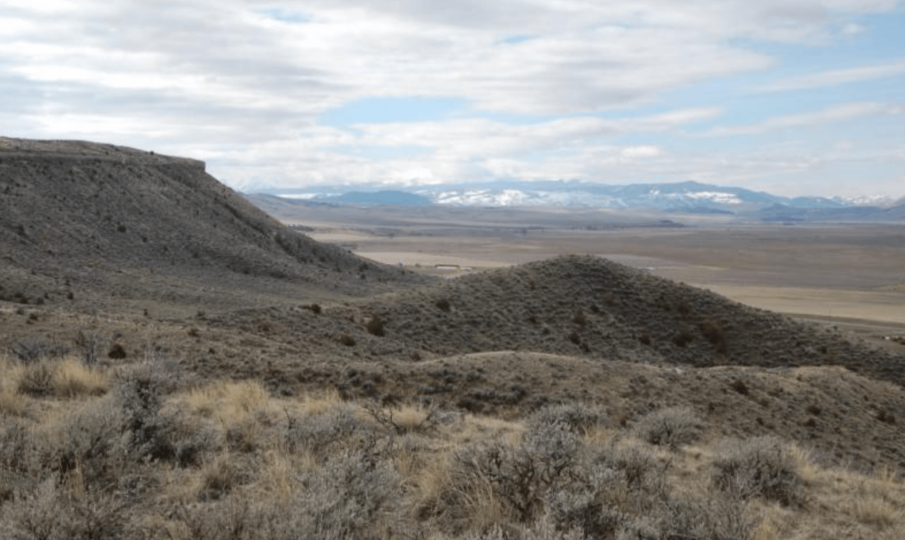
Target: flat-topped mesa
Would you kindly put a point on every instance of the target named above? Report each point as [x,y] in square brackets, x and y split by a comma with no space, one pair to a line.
[52,151]
[87,214]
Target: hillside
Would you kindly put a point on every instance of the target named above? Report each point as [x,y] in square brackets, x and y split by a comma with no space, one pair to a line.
[176,364]
[83,217]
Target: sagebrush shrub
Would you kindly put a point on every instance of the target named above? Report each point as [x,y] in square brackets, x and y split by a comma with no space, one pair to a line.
[347,496]
[54,513]
[758,467]
[141,390]
[374,326]
[672,427]
[319,433]
[576,417]
[28,351]
[520,475]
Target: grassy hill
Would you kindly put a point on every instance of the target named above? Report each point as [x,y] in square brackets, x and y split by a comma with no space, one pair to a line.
[176,364]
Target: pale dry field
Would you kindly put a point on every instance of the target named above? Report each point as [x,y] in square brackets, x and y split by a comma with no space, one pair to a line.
[849,275]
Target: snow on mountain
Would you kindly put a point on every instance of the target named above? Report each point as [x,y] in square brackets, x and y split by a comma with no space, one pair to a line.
[715,196]
[865,200]
[692,197]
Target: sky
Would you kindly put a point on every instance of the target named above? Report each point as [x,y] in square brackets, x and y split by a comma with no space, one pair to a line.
[793,97]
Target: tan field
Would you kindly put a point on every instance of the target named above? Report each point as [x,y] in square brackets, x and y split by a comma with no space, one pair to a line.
[852,276]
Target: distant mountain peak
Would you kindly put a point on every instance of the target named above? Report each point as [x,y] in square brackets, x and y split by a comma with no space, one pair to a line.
[689,196]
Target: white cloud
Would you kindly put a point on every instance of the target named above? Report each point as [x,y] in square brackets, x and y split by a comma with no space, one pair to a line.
[242,83]
[838,113]
[636,152]
[837,77]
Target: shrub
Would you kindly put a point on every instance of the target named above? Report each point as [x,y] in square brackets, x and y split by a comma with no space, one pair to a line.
[443,304]
[758,467]
[345,499]
[719,517]
[713,332]
[739,386]
[54,513]
[90,343]
[577,418]
[140,390]
[672,427]
[347,496]
[31,351]
[319,433]
[374,326]
[518,475]
[682,338]
[91,441]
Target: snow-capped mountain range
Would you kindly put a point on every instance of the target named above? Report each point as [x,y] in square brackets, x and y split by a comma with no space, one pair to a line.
[693,197]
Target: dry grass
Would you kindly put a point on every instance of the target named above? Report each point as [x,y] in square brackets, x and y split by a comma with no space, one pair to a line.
[66,379]
[72,378]
[12,403]
[254,465]
[226,399]
[319,403]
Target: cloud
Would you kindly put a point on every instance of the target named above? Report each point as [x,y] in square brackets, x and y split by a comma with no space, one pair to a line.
[836,77]
[838,113]
[243,83]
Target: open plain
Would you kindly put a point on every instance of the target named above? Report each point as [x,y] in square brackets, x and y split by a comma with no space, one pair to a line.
[849,275]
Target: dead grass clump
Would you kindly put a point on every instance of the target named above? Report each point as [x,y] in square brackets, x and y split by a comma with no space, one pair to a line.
[72,378]
[11,403]
[672,427]
[758,467]
[402,419]
[876,512]
[219,477]
[320,403]
[35,379]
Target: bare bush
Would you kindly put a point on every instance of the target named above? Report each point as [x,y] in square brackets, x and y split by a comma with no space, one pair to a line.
[672,427]
[520,475]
